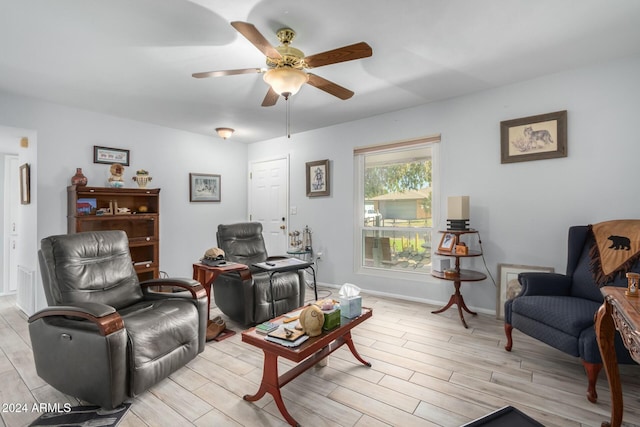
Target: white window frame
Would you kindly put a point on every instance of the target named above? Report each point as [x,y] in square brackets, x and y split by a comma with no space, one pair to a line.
[358,226]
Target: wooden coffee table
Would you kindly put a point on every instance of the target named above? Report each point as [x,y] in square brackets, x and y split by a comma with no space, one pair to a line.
[309,353]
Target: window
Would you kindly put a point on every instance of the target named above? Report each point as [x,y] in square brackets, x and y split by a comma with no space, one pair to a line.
[394,213]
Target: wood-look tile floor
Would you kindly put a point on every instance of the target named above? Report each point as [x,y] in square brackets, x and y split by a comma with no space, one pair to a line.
[427,370]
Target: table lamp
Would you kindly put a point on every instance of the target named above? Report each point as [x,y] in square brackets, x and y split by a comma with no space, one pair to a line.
[458,213]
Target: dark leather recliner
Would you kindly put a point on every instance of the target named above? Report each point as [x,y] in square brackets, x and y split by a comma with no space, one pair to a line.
[250,301]
[559,309]
[105,336]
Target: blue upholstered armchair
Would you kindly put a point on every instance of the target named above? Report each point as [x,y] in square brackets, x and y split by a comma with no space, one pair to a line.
[559,309]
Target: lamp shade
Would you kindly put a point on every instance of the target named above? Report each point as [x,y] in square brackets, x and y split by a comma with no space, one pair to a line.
[285,81]
[224,133]
[458,207]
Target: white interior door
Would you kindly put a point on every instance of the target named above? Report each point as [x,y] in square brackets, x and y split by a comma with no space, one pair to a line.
[268,202]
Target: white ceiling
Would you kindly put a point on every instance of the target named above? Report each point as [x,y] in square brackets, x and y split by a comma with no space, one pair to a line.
[134,58]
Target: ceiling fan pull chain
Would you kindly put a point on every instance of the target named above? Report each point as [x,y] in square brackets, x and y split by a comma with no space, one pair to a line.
[288,120]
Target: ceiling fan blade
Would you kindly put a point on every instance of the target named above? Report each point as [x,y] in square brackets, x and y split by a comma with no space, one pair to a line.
[342,54]
[329,87]
[270,98]
[251,33]
[227,72]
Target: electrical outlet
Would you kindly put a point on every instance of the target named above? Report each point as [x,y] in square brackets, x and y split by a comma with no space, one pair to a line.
[318,256]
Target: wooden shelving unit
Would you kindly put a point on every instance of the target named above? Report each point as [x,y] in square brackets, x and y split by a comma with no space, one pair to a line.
[141,223]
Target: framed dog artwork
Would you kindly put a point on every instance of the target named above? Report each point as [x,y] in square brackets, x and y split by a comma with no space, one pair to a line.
[534,138]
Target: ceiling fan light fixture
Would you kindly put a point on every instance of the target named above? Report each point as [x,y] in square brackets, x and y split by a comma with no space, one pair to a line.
[225,133]
[286,81]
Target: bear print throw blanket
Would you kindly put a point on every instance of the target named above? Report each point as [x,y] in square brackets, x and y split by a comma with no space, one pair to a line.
[616,249]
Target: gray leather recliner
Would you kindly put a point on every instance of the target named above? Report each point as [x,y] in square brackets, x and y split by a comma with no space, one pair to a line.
[106,336]
[249,301]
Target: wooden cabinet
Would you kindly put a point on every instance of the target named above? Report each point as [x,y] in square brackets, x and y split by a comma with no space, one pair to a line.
[138,217]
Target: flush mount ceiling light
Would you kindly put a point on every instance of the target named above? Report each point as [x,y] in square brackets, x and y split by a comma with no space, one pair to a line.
[225,133]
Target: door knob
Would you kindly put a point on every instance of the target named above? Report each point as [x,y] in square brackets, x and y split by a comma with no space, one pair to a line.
[282,227]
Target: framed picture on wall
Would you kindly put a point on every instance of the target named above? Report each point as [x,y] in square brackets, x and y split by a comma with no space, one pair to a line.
[204,187]
[110,156]
[318,178]
[509,286]
[534,138]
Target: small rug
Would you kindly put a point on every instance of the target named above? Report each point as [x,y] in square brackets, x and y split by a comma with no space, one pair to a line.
[93,416]
[616,250]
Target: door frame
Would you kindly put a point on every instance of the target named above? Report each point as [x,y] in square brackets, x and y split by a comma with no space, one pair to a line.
[9,231]
[287,158]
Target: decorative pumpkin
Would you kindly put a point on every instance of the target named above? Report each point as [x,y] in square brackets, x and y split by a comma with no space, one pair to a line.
[311,320]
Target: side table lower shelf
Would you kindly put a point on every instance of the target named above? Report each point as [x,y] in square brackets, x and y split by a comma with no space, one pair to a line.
[456,298]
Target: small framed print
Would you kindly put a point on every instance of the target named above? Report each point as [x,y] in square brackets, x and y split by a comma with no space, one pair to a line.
[534,138]
[86,206]
[204,187]
[318,178]
[509,286]
[448,242]
[110,156]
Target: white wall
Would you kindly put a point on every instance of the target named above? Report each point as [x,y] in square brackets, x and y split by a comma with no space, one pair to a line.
[522,210]
[66,137]
[26,227]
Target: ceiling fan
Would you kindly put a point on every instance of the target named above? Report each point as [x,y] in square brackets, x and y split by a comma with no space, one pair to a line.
[286,65]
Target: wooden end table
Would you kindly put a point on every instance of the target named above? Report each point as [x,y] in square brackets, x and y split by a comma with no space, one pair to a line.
[207,274]
[622,313]
[306,355]
[458,275]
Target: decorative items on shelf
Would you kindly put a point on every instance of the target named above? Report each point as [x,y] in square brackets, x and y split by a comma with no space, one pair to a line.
[462,249]
[306,238]
[116,179]
[458,213]
[142,178]
[441,264]
[448,242]
[451,273]
[79,179]
[113,209]
[294,240]
[632,285]
[86,206]
[303,244]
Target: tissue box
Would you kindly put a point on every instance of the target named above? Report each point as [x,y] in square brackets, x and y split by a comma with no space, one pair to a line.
[331,319]
[351,307]
[441,264]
